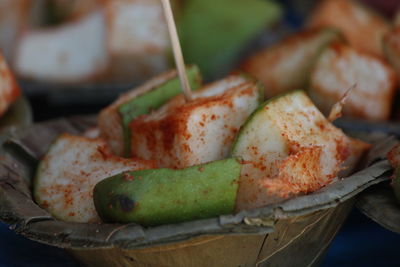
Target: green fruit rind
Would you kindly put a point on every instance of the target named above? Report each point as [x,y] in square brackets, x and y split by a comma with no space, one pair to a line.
[241,134]
[153,99]
[159,196]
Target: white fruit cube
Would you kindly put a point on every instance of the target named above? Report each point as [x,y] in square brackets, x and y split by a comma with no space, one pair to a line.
[183,134]
[339,68]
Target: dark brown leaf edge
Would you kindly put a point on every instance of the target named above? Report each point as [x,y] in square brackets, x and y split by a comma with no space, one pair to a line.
[22,148]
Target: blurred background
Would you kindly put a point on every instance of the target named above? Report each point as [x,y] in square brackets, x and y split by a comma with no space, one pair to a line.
[74,57]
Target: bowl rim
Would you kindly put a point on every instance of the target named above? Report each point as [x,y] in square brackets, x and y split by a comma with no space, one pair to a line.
[18,209]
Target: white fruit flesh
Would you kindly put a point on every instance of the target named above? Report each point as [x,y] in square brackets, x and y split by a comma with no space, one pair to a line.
[69,171]
[138,38]
[287,65]
[341,67]
[183,134]
[69,53]
[288,147]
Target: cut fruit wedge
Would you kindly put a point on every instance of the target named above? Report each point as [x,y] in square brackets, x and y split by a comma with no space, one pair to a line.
[341,67]
[289,148]
[287,65]
[181,134]
[137,39]
[159,196]
[72,52]
[69,171]
[115,119]
[361,26]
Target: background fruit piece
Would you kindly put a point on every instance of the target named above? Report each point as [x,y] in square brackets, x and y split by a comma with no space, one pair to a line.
[361,26]
[72,52]
[213,32]
[339,68]
[137,39]
[287,65]
[159,196]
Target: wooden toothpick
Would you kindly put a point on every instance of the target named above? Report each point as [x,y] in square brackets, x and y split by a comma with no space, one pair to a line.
[176,47]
